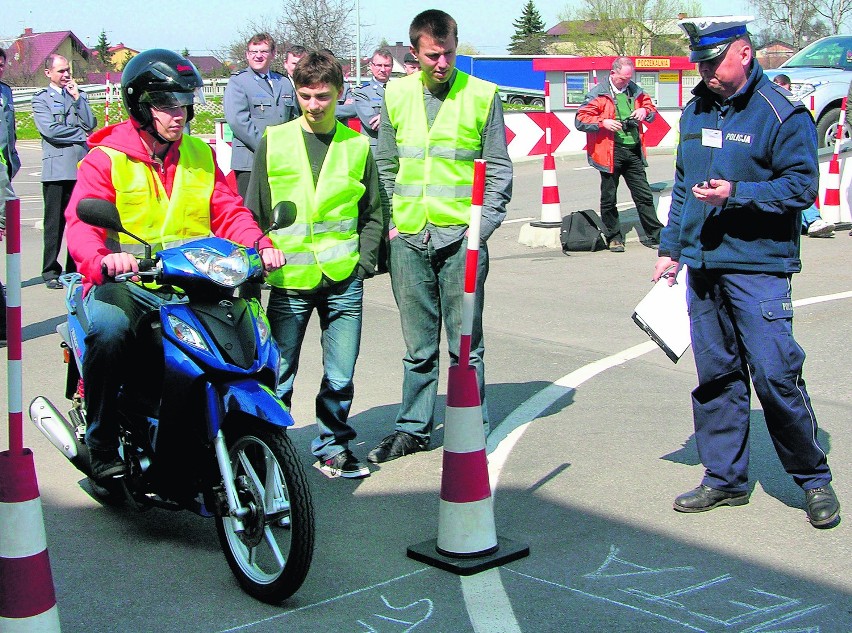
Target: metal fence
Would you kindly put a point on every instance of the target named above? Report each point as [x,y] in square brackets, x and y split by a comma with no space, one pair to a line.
[97,93]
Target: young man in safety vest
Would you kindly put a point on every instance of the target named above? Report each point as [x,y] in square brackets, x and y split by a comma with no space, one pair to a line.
[434,124]
[167,190]
[327,172]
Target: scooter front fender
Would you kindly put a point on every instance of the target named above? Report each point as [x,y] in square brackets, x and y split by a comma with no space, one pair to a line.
[255,399]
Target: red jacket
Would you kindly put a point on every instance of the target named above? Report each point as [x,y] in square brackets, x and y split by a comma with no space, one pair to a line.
[599,105]
[87,244]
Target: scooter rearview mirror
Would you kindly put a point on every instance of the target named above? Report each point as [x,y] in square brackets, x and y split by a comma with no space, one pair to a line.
[100,213]
[283,215]
[104,215]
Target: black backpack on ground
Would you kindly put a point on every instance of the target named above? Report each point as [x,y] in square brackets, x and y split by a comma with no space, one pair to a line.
[582,231]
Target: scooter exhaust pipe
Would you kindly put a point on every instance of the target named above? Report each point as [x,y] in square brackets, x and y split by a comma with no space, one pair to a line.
[59,431]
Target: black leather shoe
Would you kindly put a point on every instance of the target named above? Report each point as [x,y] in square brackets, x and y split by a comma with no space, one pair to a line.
[706,498]
[616,246]
[394,446]
[823,506]
[106,465]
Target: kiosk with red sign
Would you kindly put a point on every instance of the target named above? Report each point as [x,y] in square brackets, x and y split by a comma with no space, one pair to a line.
[662,78]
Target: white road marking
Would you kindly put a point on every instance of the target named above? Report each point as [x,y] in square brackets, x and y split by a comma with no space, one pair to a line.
[488,606]
[484,605]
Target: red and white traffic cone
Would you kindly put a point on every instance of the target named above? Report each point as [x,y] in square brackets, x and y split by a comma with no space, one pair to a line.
[467,540]
[830,209]
[545,232]
[27,597]
[551,210]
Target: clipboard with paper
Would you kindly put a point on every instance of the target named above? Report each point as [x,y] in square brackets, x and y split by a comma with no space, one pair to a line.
[662,314]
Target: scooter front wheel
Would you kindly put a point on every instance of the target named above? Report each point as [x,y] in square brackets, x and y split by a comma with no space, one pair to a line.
[271,554]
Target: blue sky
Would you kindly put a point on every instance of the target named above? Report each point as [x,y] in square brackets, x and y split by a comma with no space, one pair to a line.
[202,26]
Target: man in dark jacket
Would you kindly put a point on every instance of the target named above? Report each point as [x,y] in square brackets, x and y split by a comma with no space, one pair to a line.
[611,115]
[746,168]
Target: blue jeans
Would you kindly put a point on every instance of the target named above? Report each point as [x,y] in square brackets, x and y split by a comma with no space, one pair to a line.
[809,216]
[113,311]
[742,328]
[339,308]
[428,285]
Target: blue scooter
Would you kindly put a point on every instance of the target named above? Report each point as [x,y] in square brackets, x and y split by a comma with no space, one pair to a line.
[201,428]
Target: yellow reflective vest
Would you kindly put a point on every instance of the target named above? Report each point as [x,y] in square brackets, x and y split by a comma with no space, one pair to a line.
[146,210]
[435,178]
[324,238]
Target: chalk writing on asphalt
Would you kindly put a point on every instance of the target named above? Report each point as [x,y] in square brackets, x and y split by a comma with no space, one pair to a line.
[392,619]
[695,600]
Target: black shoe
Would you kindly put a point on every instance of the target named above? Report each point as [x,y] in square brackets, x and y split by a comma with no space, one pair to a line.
[345,465]
[106,465]
[53,284]
[616,246]
[706,498]
[394,446]
[823,506]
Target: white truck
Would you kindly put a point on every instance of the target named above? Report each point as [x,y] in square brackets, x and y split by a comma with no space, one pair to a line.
[820,75]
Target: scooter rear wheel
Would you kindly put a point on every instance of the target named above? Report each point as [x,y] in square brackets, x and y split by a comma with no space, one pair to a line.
[272,555]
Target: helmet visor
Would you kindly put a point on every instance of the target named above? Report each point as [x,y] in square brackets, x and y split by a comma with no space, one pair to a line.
[166,100]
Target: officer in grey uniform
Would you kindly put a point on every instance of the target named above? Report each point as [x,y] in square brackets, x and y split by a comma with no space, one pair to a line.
[255,98]
[64,119]
[7,120]
[370,96]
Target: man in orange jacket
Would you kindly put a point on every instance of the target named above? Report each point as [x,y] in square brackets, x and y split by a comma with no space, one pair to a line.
[611,116]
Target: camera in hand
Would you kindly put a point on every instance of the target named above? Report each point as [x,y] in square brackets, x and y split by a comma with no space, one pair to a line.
[629,124]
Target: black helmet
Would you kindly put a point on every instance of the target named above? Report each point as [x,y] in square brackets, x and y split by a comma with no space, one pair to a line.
[159,78]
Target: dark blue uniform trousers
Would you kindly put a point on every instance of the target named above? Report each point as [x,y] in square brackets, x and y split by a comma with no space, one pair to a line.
[742,326]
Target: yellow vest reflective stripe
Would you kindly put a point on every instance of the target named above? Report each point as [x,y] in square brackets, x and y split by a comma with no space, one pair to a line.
[324,238]
[435,177]
[149,213]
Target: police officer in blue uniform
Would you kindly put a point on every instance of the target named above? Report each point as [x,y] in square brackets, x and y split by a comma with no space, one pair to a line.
[254,99]
[370,96]
[746,168]
[64,119]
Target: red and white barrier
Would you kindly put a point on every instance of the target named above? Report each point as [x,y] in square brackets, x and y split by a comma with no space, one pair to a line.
[830,208]
[27,597]
[108,99]
[467,540]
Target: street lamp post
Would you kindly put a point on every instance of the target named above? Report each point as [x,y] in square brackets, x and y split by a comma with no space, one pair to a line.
[357,42]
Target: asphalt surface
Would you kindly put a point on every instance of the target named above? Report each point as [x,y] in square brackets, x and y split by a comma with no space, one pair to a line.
[592,441]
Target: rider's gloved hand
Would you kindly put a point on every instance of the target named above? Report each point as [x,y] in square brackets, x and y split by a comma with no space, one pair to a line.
[272,259]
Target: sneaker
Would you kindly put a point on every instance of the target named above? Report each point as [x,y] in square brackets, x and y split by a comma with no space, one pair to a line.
[820,228]
[53,284]
[106,465]
[616,246]
[394,446]
[345,465]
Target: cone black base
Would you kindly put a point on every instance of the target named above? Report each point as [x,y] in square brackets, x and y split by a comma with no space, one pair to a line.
[507,551]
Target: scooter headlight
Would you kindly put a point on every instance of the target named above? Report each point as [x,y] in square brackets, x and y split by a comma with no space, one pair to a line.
[185,333]
[262,327]
[228,271]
